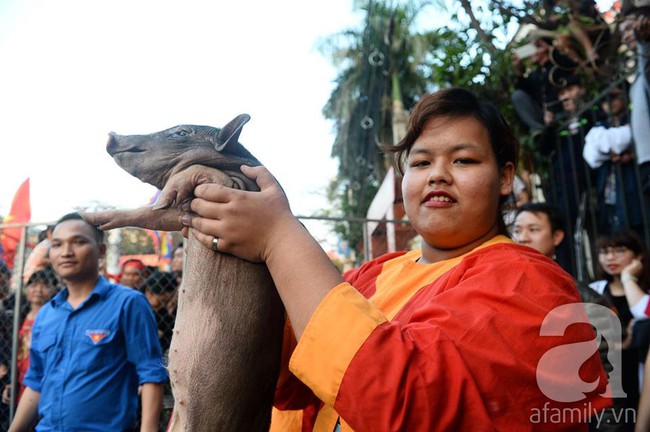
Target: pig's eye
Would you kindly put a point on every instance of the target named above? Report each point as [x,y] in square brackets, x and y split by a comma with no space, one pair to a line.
[181,133]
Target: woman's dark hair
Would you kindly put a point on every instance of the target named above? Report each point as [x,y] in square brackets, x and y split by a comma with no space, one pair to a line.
[630,240]
[457,102]
[45,275]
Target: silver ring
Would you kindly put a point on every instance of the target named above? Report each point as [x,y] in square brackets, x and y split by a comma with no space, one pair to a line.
[215,244]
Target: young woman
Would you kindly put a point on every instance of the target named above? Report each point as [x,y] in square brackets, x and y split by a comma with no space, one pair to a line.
[40,288]
[442,338]
[622,265]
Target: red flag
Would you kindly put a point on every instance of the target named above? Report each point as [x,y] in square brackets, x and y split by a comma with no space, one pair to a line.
[21,211]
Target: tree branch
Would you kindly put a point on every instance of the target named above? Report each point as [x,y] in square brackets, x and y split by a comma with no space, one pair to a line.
[476,25]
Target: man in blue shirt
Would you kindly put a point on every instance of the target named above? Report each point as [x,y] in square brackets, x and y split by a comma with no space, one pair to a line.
[93,345]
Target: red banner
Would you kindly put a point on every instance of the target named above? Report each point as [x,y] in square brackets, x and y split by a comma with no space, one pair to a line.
[21,211]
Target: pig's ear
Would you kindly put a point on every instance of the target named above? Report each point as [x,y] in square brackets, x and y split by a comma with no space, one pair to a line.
[229,134]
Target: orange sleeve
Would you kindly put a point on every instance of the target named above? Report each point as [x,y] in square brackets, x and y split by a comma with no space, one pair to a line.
[290,393]
[461,355]
[322,351]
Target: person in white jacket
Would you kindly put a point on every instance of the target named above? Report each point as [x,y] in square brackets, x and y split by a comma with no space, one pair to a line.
[609,152]
[635,33]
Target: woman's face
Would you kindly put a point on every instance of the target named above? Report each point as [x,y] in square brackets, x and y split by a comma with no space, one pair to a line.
[131,276]
[452,185]
[38,293]
[614,259]
[177,260]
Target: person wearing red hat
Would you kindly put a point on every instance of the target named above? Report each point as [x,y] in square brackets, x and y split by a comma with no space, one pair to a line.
[133,273]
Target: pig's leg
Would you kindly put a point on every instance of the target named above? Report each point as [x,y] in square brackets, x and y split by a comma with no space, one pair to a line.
[165,214]
[143,217]
[225,352]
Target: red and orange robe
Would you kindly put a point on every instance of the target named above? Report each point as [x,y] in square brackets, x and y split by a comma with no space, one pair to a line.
[453,345]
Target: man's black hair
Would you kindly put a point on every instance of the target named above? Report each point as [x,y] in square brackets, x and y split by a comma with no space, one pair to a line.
[99,234]
[552,212]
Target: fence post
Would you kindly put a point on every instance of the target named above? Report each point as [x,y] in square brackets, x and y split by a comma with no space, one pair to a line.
[366,241]
[17,282]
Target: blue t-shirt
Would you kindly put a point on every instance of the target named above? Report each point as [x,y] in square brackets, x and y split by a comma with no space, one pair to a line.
[87,362]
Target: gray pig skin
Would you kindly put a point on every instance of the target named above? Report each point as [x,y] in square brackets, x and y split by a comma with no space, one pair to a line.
[225,353]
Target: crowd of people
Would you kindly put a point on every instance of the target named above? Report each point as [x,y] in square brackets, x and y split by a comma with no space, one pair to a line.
[588,128]
[468,301]
[121,335]
[592,218]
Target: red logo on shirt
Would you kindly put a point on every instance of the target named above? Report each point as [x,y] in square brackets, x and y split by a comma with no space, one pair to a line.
[97,335]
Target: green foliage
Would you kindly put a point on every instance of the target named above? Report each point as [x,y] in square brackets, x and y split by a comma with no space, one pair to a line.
[361,102]
[470,49]
[135,241]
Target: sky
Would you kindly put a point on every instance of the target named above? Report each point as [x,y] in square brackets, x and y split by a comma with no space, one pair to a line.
[74,70]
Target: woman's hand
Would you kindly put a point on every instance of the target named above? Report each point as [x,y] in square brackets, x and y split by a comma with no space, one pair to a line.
[632,270]
[247,224]
[629,279]
[6,396]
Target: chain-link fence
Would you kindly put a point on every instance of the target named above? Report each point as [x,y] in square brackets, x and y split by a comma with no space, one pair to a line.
[593,200]
[130,261]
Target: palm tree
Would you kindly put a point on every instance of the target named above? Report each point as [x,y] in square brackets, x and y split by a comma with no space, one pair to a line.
[385,65]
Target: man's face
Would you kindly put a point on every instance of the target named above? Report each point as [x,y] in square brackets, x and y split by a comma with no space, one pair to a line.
[541,54]
[75,252]
[570,96]
[534,230]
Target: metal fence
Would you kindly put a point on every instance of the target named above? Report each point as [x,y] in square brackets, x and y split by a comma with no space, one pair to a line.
[154,277]
[597,193]
[576,191]
[157,282]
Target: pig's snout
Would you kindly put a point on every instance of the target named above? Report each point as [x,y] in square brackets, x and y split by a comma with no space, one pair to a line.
[111,144]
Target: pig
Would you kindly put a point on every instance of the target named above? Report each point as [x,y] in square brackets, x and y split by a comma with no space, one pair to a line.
[224,357]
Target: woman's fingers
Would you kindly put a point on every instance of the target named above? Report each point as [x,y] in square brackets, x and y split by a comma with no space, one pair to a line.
[207,240]
[214,192]
[261,175]
[204,230]
[243,221]
[206,225]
